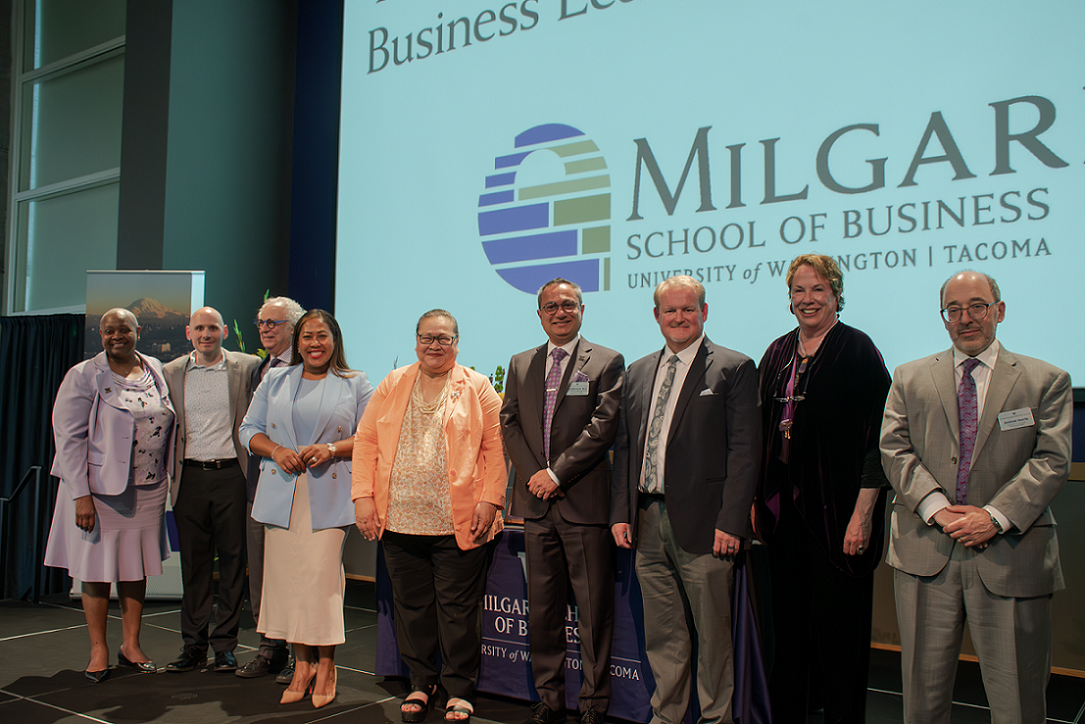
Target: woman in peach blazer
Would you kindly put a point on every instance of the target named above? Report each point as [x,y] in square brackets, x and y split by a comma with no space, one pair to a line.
[428,479]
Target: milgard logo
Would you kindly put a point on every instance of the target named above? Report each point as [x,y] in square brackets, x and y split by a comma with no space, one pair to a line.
[532,234]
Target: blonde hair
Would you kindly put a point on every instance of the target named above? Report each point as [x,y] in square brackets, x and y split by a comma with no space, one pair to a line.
[683,281]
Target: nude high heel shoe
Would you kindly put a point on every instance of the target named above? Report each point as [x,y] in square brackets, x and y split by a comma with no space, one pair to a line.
[320,700]
[290,697]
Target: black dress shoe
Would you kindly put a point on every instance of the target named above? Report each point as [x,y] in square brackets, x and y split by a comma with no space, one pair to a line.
[97,676]
[188,661]
[287,674]
[260,666]
[144,667]
[591,716]
[225,661]
[542,714]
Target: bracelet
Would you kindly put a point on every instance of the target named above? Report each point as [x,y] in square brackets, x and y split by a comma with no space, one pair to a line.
[275,451]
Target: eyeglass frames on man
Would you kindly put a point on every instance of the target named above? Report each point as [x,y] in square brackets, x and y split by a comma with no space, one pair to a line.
[976,311]
[568,306]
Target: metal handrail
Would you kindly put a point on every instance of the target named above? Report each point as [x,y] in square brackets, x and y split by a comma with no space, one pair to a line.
[5,513]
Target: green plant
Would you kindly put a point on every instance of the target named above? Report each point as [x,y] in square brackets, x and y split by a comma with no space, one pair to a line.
[497,379]
[239,338]
[261,352]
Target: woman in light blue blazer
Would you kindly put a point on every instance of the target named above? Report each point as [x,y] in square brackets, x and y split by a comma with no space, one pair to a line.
[301,423]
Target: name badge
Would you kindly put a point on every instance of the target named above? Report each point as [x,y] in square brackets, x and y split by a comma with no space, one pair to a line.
[1013,419]
[578,389]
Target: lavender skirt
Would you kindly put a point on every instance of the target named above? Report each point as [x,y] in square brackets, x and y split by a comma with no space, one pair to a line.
[128,542]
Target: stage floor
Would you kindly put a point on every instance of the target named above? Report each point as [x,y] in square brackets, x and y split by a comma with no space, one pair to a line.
[44,648]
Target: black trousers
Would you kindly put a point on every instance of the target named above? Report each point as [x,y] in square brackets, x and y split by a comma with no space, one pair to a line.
[560,556]
[437,594]
[210,514]
[821,619]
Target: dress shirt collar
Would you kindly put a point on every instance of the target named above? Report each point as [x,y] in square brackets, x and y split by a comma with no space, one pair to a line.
[193,364]
[685,357]
[569,347]
[987,357]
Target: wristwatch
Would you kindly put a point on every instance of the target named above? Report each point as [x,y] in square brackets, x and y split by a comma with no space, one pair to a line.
[331,448]
[995,523]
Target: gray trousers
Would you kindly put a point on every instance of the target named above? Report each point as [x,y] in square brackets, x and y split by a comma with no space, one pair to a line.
[1012,638]
[684,595]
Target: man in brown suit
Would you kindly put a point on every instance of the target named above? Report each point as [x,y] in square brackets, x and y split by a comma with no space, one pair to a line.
[559,419]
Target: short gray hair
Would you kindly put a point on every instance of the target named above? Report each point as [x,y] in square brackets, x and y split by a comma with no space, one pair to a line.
[293,309]
[557,281]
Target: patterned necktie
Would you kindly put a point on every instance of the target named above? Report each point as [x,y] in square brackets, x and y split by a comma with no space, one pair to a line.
[553,381]
[968,418]
[651,474]
[275,362]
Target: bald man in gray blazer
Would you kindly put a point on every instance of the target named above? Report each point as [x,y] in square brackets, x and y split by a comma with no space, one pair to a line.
[972,537]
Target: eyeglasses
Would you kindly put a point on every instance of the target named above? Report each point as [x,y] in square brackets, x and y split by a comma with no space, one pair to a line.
[444,340]
[976,311]
[568,306]
[269,323]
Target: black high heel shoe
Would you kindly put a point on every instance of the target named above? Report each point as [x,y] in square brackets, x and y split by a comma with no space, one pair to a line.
[144,667]
[97,676]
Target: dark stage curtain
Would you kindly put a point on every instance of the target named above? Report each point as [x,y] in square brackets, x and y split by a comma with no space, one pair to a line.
[35,353]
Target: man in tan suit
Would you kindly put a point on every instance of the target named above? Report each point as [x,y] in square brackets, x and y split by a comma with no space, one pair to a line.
[976,443]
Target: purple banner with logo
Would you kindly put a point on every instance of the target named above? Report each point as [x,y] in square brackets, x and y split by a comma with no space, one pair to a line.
[506,660]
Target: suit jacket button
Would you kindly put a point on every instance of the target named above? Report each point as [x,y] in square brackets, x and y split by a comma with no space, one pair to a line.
[274,472]
[339,429]
[334,475]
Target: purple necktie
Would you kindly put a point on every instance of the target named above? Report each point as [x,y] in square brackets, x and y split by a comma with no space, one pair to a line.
[553,381]
[275,362]
[968,418]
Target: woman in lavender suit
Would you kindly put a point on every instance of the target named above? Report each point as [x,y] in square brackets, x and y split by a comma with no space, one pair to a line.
[113,425]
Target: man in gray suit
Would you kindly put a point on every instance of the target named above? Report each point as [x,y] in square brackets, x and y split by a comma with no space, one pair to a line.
[685,467]
[558,420]
[210,390]
[976,443]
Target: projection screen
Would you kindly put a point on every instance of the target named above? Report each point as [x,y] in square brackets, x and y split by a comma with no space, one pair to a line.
[489,146]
